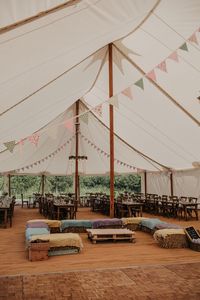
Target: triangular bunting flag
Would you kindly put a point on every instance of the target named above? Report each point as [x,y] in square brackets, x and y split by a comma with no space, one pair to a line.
[184,47]
[140,83]
[173,56]
[151,75]
[128,93]
[98,110]
[69,125]
[34,139]
[162,66]
[10,146]
[85,118]
[193,39]
[52,132]
[114,101]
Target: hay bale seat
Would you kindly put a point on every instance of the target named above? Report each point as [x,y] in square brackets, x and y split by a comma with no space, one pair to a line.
[60,243]
[148,225]
[107,223]
[75,226]
[171,238]
[132,223]
[54,225]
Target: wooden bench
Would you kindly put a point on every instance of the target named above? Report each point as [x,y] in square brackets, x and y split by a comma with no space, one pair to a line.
[110,234]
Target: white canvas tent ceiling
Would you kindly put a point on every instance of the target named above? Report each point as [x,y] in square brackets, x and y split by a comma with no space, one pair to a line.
[49,63]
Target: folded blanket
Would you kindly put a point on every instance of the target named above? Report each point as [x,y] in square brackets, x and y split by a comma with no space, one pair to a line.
[76,223]
[166,225]
[35,231]
[166,232]
[60,240]
[38,224]
[106,222]
[50,223]
[132,220]
[150,223]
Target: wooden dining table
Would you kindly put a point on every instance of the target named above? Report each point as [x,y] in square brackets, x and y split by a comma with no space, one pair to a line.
[68,207]
[133,205]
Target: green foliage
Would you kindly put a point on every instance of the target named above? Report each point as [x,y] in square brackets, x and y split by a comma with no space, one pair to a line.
[60,184]
[122,182]
[21,184]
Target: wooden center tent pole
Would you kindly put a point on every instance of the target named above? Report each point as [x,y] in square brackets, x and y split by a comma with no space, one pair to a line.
[9,185]
[171,185]
[145,182]
[43,181]
[76,154]
[111,112]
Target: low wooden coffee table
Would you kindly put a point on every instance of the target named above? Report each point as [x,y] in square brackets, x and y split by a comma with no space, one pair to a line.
[110,234]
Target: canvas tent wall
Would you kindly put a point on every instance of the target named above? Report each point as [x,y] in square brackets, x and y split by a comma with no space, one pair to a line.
[50,62]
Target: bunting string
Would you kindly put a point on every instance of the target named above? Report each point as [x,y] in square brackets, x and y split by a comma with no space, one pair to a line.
[104,153]
[127,92]
[44,159]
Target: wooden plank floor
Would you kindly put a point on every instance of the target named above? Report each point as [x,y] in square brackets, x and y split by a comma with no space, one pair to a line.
[102,255]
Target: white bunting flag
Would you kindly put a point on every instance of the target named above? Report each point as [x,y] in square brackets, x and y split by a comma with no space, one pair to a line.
[114,101]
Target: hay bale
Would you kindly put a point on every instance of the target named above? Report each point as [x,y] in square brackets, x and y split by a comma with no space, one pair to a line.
[171,238]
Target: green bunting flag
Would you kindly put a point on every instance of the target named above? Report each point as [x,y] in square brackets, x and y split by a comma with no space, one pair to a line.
[10,146]
[140,83]
[184,47]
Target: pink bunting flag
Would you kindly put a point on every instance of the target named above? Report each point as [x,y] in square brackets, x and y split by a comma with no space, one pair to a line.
[128,93]
[151,75]
[69,125]
[98,110]
[173,56]
[162,66]
[34,139]
[193,39]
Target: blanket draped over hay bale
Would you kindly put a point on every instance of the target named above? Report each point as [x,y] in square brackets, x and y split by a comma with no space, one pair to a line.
[38,224]
[60,240]
[54,225]
[171,238]
[165,225]
[76,226]
[132,223]
[107,223]
[148,225]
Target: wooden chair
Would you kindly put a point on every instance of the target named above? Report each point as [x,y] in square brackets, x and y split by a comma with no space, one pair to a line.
[192,208]
[24,201]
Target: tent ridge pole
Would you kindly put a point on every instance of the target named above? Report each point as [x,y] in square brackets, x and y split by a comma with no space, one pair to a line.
[111,115]
[38,16]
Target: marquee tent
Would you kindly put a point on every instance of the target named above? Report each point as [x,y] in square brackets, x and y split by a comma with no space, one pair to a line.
[54,53]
